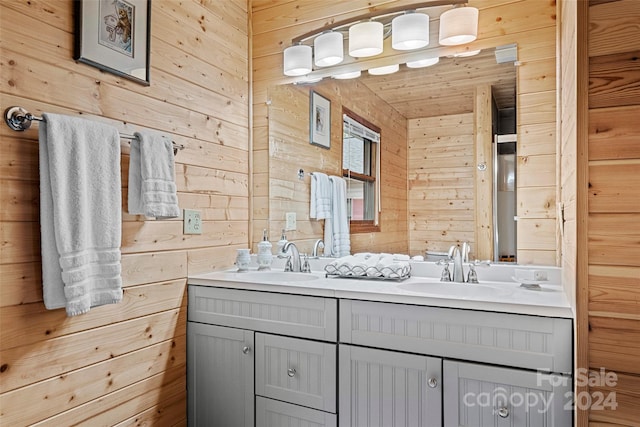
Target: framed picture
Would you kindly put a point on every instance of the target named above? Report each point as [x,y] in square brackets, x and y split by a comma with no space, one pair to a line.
[114,36]
[320,120]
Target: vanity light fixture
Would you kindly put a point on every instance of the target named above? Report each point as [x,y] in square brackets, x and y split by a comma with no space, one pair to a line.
[328,49]
[410,31]
[467,53]
[458,26]
[297,60]
[349,75]
[423,62]
[388,69]
[366,39]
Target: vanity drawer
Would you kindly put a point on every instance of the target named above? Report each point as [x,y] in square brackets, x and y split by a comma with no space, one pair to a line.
[523,341]
[297,371]
[273,413]
[295,315]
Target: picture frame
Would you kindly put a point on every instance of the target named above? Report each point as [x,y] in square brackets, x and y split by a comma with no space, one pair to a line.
[319,120]
[114,36]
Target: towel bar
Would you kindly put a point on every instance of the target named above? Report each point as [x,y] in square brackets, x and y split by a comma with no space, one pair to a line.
[19,119]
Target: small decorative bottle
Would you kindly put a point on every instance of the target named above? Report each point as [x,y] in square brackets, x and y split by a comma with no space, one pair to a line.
[281,243]
[264,253]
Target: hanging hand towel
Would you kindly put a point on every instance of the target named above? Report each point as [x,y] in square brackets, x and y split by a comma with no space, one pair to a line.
[336,228]
[320,196]
[152,188]
[80,213]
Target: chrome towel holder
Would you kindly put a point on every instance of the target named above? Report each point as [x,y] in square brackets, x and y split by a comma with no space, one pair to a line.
[19,119]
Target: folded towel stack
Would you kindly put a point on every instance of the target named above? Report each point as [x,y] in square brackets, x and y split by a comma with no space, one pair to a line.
[383,266]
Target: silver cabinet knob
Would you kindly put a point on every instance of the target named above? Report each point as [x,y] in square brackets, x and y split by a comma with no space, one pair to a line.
[291,372]
[503,412]
[432,382]
[246,349]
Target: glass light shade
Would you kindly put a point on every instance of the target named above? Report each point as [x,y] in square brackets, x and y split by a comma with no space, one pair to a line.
[410,31]
[365,39]
[458,26]
[349,75]
[327,49]
[423,62]
[389,69]
[297,60]
[466,54]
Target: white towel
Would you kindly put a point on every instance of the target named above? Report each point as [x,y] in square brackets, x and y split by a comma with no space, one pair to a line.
[320,196]
[80,213]
[152,187]
[336,228]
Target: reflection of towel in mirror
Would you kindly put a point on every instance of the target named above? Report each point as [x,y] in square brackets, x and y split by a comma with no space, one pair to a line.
[320,196]
[80,213]
[336,228]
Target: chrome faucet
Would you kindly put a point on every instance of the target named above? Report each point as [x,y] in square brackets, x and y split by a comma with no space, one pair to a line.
[319,244]
[293,262]
[456,256]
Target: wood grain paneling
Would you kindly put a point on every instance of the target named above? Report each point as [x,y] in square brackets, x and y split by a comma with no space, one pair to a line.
[121,364]
[610,303]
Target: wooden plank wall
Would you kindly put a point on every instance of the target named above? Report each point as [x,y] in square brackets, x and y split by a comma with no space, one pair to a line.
[290,150]
[441,183]
[614,205]
[530,23]
[120,364]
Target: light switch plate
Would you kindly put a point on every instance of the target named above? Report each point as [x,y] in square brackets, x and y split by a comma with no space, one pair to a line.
[192,222]
[290,221]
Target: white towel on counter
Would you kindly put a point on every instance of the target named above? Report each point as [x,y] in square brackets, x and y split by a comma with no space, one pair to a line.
[320,206]
[336,229]
[80,213]
[152,187]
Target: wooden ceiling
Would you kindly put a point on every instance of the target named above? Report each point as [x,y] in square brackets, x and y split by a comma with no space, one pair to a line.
[447,87]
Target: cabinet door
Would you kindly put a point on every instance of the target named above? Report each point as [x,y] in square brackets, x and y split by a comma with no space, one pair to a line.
[479,395]
[388,389]
[219,376]
[274,413]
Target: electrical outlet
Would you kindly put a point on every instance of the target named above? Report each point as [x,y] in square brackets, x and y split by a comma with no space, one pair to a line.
[192,222]
[290,221]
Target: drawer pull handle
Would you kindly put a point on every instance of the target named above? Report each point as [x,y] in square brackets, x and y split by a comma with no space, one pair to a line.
[291,372]
[503,412]
[246,349]
[432,382]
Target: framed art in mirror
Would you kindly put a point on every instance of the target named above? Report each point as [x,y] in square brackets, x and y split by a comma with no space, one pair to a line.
[320,120]
[114,36]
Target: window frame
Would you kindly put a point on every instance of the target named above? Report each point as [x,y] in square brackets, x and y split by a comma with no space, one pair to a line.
[369,225]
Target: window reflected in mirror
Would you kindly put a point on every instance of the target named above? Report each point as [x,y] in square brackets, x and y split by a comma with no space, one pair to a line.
[361,170]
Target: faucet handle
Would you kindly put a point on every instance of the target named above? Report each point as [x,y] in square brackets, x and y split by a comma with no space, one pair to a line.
[446,275]
[306,267]
[288,266]
[472,277]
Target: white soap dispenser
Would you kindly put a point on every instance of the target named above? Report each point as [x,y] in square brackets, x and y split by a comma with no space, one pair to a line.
[264,252]
[281,243]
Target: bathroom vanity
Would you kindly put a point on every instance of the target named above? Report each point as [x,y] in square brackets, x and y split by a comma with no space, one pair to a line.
[267,349]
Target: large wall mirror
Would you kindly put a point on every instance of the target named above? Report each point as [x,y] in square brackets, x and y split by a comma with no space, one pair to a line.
[449,159]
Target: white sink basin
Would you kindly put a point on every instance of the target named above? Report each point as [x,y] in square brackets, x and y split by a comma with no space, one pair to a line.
[458,290]
[274,276]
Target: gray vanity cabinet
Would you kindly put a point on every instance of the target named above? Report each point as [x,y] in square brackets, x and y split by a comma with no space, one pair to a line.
[220,372]
[486,396]
[380,388]
[289,374]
